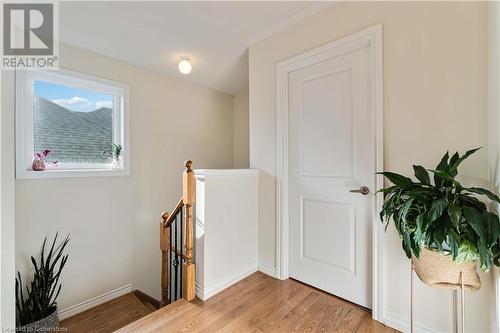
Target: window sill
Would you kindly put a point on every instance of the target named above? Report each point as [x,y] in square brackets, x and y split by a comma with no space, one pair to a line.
[71,173]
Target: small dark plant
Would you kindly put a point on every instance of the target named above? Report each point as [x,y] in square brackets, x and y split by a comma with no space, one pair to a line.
[114,151]
[444,215]
[39,299]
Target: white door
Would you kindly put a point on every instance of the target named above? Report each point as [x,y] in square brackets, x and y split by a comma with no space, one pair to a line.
[330,154]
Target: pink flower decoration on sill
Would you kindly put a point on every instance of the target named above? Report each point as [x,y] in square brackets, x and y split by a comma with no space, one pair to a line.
[40,159]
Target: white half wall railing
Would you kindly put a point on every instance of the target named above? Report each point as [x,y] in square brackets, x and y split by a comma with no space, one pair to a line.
[226,228]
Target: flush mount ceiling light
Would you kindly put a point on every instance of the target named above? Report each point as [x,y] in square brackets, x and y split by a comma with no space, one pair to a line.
[185,66]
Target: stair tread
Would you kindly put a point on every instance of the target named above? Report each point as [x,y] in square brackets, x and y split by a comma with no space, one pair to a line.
[139,306]
[166,313]
[150,306]
[107,317]
[150,302]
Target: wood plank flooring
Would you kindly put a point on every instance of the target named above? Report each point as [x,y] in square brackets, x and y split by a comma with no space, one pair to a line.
[260,303]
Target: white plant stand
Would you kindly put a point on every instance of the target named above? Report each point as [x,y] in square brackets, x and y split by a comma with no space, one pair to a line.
[462,303]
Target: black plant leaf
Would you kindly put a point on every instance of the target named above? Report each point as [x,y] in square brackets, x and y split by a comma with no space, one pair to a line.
[43,290]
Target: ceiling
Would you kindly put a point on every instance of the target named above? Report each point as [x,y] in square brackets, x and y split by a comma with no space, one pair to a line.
[215,35]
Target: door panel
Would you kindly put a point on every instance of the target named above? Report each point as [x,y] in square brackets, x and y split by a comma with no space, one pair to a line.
[334,246]
[319,95]
[330,140]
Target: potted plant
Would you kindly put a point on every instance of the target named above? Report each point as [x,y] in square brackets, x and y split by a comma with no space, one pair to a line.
[114,151]
[36,306]
[40,160]
[445,228]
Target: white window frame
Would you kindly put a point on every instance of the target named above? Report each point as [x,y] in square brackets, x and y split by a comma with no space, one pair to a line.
[25,126]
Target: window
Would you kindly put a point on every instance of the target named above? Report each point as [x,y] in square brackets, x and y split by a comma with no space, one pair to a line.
[80,119]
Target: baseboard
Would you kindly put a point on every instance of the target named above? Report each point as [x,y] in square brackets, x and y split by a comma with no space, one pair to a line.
[93,302]
[403,324]
[205,292]
[268,270]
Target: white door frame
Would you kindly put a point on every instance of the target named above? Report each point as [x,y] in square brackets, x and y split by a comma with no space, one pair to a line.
[371,37]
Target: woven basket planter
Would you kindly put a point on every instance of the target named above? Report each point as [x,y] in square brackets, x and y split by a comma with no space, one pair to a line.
[47,324]
[439,270]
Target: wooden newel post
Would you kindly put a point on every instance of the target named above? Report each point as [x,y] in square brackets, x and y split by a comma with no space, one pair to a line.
[165,247]
[188,199]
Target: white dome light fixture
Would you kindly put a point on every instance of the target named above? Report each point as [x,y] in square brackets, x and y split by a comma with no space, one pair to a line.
[184,65]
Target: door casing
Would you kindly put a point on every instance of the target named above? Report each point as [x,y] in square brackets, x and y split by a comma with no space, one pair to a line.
[371,37]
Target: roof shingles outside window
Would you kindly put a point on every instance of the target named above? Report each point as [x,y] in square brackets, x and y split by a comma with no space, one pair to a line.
[73,137]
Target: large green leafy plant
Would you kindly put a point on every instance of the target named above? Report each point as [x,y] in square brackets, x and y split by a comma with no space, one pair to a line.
[443,215]
[39,299]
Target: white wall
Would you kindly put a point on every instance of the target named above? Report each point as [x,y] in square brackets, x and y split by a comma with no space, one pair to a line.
[435,73]
[113,221]
[494,120]
[7,206]
[226,228]
[494,92]
[241,145]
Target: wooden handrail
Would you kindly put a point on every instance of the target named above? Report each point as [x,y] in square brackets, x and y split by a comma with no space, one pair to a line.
[188,266]
[168,218]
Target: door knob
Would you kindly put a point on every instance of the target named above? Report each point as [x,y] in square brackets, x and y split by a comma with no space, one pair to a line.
[363,190]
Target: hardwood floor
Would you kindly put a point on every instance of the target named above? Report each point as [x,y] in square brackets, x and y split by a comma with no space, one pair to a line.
[260,303]
[107,317]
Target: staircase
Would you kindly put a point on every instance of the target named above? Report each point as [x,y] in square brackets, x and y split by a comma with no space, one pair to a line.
[177,266]
[177,276]
[176,245]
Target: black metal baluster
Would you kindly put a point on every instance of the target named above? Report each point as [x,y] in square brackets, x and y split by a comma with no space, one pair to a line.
[170,265]
[182,248]
[176,257]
